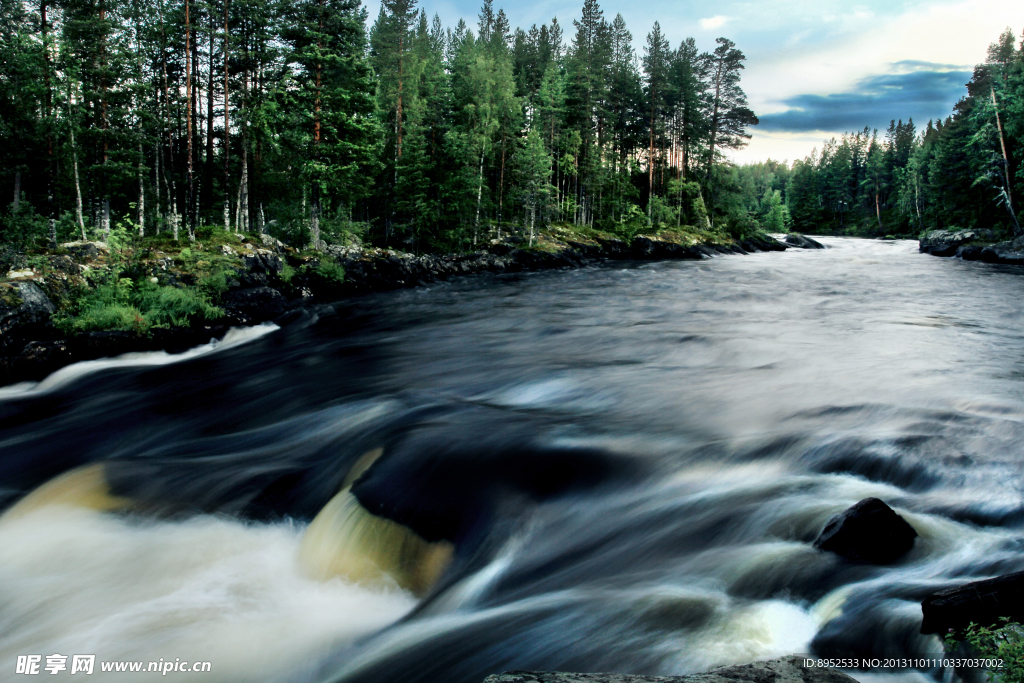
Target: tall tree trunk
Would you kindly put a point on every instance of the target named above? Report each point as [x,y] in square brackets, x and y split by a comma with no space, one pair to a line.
[207,199]
[479,195]
[169,180]
[48,113]
[878,211]
[142,195]
[1006,166]
[227,129]
[501,183]
[105,126]
[650,164]
[242,225]
[190,200]
[314,212]
[16,204]
[74,166]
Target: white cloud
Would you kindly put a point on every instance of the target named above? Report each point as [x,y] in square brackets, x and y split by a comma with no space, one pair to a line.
[714,22]
[952,33]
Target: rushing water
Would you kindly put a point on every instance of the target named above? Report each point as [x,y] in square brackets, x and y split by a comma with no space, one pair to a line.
[631,460]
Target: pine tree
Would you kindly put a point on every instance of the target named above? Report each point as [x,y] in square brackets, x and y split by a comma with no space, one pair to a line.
[336,93]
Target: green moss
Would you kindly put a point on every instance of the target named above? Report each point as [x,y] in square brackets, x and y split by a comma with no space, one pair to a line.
[10,296]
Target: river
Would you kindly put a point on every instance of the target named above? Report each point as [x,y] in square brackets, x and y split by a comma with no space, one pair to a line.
[628,464]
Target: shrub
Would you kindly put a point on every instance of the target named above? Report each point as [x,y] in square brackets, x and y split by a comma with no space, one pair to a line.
[106,316]
[329,270]
[166,306]
[1004,642]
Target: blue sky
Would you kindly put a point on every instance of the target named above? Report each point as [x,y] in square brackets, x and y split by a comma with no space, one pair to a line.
[814,68]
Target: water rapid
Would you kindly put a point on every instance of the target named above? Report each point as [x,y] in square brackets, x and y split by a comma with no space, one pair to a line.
[619,468]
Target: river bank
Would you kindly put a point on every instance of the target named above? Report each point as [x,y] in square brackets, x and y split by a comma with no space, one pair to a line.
[256,279]
[973,245]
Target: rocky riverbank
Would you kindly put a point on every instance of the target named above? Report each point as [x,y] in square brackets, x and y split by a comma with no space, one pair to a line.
[265,280]
[973,245]
[784,670]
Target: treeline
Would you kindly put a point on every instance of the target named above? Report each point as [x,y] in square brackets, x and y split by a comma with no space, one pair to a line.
[290,117]
[963,172]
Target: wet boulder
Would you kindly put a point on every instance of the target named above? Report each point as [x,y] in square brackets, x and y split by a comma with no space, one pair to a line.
[756,243]
[253,305]
[802,242]
[944,242]
[24,313]
[982,602]
[1010,253]
[869,532]
[790,669]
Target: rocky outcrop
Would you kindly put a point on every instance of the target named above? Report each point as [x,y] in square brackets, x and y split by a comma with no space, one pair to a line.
[253,305]
[24,312]
[784,670]
[1010,253]
[973,245]
[982,602]
[944,242]
[869,532]
[802,242]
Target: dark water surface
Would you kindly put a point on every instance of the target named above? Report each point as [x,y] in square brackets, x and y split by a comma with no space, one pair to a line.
[632,461]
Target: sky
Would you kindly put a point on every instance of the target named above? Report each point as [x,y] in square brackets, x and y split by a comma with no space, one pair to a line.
[815,68]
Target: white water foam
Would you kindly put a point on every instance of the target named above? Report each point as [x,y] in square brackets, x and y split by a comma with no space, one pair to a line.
[77,581]
[234,337]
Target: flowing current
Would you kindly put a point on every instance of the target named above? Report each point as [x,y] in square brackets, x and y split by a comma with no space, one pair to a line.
[721,411]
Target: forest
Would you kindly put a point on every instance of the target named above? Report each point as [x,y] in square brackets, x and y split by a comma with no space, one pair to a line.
[965,171]
[308,121]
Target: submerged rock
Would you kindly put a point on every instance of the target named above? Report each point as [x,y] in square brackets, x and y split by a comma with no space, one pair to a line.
[784,670]
[802,241]
[982,602]
[868,532]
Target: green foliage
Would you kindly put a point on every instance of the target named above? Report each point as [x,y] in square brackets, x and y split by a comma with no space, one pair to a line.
[632,222]
[124,305]
[1004,642]
[330,270]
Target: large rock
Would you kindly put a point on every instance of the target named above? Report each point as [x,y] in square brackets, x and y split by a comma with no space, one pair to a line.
[24,312]
[944,242]
[802,242]
[982,602]
[762,243]
[785,670]
[253,305]
[868,532]
[1010,253]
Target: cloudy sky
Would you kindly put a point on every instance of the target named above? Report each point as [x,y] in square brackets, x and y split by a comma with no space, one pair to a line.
[815,68]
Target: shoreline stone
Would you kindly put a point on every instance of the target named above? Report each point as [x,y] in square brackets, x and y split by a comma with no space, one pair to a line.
[982,602]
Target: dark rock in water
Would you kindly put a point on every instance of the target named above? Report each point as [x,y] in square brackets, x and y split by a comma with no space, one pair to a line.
[868,532]
[944,242]
[802,242]
[982,602]
[761,243]
[1011,253]
[969,252]
[785,670]
[253,305]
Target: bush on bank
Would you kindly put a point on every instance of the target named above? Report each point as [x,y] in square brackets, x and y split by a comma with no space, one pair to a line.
[1004,643]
